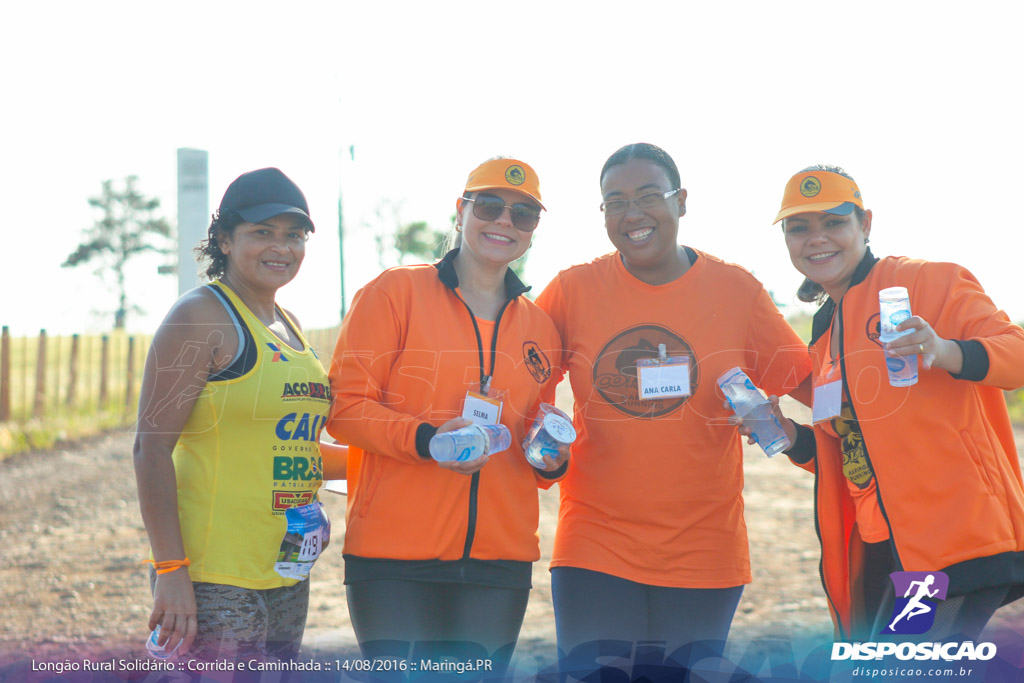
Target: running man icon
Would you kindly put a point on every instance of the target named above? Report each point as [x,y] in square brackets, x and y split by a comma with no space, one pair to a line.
[920,590]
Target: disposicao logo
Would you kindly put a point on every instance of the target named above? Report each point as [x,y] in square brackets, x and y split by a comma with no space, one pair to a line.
[917,598]
[914,612]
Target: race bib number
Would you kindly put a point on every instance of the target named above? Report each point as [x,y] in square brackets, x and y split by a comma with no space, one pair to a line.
[667,378]
[308,532]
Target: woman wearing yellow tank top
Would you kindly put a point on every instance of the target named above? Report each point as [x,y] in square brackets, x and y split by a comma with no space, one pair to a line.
[227,454]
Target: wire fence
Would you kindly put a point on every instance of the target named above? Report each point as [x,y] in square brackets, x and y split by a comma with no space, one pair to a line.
[56,387]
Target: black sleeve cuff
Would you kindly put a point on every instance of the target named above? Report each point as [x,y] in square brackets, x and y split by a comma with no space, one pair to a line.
[975,366]
[424,433]
[556,473]
[805,447]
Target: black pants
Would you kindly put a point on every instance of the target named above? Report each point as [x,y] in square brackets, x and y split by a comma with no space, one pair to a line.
[602,618]
[453,622]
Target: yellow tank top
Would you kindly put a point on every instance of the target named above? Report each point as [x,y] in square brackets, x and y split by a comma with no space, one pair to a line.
[248,452]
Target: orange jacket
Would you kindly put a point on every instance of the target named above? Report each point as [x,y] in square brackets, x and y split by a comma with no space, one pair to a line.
[943,453]
[407,354]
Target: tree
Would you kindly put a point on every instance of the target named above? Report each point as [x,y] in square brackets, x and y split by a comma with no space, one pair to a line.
[400,243]
[420,241]
[126,229]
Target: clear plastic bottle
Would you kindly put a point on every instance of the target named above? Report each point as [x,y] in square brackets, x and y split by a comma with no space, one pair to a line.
[894,308]
[159,651]
[551,429]
[750,404]
[469,443]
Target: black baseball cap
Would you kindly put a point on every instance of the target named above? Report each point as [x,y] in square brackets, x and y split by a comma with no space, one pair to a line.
[262,194]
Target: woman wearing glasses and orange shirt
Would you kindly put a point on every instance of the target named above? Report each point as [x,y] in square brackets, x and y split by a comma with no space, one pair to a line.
[651,544]
[444,551]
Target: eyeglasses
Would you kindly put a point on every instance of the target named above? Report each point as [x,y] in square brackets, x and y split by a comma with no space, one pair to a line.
[644,201]
[487,207]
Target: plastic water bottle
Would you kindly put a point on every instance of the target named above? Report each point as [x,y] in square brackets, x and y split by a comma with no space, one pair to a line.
[469,443]
[159,651]
[894,308]
[750,404]
[551,429]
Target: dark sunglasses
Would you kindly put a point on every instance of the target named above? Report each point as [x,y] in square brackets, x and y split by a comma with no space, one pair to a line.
[487,207]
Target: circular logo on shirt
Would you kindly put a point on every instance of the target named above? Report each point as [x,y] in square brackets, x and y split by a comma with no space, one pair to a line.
[515,175]
[873,328]
[810,186]
[615,374]
[536,362]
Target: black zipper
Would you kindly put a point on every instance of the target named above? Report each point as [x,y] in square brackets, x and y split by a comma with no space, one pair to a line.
[878,488]
[485,386]
[853,411]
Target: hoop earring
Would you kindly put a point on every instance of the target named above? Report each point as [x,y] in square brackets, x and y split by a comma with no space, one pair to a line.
[458,228]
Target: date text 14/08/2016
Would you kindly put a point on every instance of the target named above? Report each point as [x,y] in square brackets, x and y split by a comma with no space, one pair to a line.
[446,666]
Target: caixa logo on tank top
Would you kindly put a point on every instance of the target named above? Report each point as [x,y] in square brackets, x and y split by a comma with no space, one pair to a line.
[615,374]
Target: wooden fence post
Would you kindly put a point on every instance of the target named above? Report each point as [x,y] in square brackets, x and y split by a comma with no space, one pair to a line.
[129,391]
[73,373]
[104,367]
[5,375]
[38,406]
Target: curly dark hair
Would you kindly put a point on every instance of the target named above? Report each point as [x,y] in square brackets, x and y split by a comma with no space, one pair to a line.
[810,291]
[647,152]
[209,249]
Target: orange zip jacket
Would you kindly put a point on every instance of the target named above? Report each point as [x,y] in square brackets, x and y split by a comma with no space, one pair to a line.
[407,354]
[943,453]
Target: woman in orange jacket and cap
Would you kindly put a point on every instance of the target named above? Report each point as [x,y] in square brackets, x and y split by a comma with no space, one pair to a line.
[921,479]
[440,552]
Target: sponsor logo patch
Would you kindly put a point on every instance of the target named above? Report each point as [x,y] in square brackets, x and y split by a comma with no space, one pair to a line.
[515,175]
[536,362]
[810,186]
[284,500]
[278,355]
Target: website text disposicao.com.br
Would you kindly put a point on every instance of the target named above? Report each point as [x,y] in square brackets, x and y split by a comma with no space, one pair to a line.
[952,659]
[902,673]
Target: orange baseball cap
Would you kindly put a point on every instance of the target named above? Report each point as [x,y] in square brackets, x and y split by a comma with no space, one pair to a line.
[819,191]
[505,174]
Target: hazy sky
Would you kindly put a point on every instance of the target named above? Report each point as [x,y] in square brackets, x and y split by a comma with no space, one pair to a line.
[920,101]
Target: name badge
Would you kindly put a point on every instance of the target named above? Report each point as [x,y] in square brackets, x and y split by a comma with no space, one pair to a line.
[828,401]
[480,409]
[667,377]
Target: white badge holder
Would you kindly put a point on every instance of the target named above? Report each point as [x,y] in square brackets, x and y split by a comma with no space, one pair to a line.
[663,377]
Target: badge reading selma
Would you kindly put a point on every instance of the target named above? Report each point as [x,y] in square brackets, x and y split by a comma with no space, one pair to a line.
[810,186]
[515,175]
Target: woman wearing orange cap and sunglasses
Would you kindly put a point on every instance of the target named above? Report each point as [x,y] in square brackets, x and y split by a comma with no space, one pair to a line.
[651,543]
[920,478]
[443,551]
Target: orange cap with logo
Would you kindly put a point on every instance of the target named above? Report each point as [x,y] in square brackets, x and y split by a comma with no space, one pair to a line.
[505,174]
[819,191]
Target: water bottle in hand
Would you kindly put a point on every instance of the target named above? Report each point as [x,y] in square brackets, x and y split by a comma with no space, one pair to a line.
[470,443]
[551,430]
[160,651]
[894,308]
[750,404]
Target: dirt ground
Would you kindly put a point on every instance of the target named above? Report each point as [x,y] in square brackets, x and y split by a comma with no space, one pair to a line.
[73,586]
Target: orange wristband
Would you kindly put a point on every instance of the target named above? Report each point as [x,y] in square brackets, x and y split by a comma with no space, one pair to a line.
[167,566]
